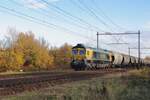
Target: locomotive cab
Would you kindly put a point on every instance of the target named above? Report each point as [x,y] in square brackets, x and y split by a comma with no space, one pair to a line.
[78,57]
[89,58]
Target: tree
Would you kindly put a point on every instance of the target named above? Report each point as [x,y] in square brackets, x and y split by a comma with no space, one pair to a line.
[36,52]
[14,59]
[62,55]
[10,58]
[23,51]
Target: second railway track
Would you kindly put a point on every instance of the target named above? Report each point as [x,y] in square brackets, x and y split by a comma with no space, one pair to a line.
[12,85]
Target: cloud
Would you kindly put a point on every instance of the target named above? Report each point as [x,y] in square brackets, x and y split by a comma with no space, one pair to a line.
[147,26]
[35,4]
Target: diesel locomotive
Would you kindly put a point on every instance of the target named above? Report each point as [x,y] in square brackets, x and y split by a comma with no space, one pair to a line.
[84,57]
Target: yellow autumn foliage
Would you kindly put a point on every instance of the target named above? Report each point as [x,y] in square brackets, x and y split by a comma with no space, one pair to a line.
[62,56]
[25,52]
[35,52]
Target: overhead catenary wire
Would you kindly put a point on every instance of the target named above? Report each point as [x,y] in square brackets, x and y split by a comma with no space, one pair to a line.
[75,17]
[76,33]
[72,32]
[47,24]
[71,15]
[76,4]
[39,21]
[105,16]
[80,6]
[84,8]
[95,15]
[46,14]
[91,10]
[65,29]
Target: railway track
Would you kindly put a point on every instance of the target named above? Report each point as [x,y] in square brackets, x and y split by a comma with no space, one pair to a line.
[20,74]
[13,85]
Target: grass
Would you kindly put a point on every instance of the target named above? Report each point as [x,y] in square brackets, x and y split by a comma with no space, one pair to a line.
[9,73]
[144,72]
[132,87]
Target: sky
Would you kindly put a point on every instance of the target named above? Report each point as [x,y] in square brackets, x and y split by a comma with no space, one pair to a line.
[78,21]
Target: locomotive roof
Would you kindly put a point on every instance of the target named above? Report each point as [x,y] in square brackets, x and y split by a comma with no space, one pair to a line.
[85,47]
[100,49]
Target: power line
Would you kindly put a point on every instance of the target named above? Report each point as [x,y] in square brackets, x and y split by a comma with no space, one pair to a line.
[118,43]
[106,16]
[139,43]
[47,15]
[141,48]
[38,21]
[73,2]
[60,9]
[91,10]
[69,14]
[95,15]
[72,32]
[45,23]
[80,7]
[22,17]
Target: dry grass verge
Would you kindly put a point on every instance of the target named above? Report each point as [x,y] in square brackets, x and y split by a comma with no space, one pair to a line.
[112,87]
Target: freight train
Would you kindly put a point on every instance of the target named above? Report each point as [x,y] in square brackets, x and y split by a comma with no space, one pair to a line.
[84,57]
